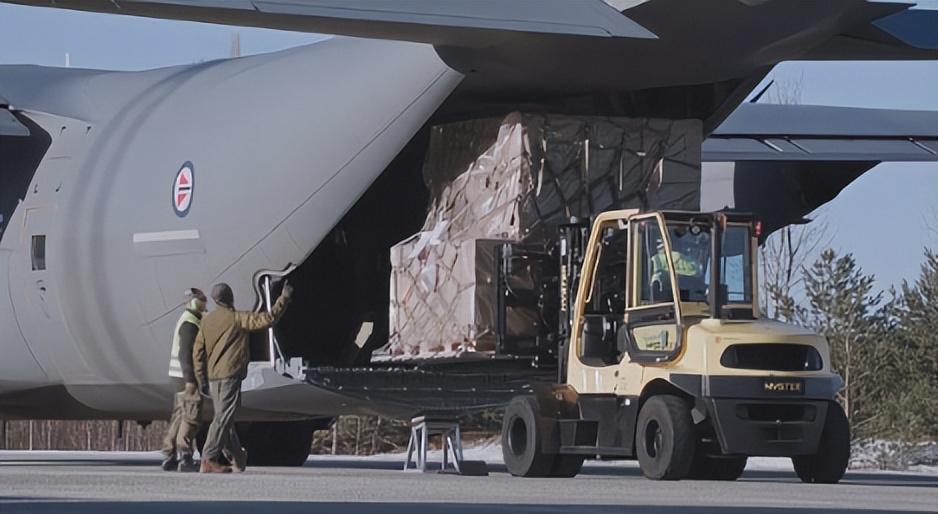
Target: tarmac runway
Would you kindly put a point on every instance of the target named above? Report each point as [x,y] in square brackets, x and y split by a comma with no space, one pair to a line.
[104,483]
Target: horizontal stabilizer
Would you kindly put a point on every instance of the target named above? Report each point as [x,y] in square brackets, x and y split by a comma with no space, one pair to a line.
[762,132]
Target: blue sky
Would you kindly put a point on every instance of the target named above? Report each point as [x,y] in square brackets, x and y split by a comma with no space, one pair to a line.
[886,218]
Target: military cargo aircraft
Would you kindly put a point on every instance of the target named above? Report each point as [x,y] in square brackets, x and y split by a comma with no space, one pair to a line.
[119,190]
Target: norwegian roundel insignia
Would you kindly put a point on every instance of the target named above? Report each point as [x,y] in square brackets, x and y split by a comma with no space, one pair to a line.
[183,187]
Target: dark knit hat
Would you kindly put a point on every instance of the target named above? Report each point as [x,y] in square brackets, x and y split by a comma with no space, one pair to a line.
[223,295]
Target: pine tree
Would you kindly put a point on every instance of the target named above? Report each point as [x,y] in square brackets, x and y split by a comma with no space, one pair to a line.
[845,309]
[916,348]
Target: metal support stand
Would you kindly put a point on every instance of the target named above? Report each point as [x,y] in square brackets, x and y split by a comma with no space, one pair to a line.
[420,431]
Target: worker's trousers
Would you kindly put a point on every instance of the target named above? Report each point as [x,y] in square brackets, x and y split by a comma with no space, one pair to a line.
[222,438]
[184,423]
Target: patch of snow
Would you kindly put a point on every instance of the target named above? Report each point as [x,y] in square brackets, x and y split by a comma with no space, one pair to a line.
[490,451]
[894,455]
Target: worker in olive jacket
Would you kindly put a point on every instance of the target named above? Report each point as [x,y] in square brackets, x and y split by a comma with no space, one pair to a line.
[222,353]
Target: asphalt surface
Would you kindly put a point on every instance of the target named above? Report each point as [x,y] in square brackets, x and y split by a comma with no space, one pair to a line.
[53,483]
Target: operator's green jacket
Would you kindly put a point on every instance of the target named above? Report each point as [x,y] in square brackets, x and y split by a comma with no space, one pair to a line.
[682,264]
[222,344]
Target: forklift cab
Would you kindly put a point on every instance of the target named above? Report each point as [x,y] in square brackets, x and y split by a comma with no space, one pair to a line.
[643,275]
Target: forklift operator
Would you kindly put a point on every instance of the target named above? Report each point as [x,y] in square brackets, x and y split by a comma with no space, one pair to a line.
[690,254]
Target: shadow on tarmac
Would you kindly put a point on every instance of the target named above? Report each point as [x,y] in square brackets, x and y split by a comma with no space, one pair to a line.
[94,462]
[41,506]
[862,478]
[858,478]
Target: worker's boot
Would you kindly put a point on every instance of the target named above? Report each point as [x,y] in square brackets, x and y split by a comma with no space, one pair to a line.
[210,466]
[169,462]
[239,460]
[187,465]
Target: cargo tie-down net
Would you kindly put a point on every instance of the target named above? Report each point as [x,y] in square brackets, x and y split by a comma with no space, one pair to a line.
[515,180]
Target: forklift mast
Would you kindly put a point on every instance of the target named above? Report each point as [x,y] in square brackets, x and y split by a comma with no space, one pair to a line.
[571,252]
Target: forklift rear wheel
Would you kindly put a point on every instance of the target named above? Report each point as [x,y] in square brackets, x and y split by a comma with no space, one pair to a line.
[829,464]
[706,467]
[664,438]
[522,444]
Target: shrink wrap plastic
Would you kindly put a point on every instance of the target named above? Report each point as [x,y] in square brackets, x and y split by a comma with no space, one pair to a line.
[514,180]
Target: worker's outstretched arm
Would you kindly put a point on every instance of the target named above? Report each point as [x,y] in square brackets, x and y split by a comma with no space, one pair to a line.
[252,321]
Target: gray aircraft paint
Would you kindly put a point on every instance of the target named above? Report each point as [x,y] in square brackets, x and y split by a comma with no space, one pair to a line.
[280,174]
[284,144]
[563,47]
[757,132]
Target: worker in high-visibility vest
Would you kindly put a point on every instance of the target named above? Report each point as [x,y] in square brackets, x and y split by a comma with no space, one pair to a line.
[684,266]
[179,442]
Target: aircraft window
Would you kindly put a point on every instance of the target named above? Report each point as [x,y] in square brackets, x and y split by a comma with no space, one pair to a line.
[39,253]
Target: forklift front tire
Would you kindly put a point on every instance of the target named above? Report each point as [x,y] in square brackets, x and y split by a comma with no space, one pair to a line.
[664,438]
[522,444]
[829,464]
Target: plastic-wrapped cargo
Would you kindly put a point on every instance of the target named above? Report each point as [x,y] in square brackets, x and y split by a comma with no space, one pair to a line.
[514,180]
[435,280]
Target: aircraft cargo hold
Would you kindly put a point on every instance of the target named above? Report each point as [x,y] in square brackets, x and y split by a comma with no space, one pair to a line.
[515,181]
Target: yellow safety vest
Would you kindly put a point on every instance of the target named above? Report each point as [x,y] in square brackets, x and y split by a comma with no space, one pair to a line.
[175,368]
[682,265]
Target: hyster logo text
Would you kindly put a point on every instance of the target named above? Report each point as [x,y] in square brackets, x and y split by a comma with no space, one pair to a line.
[783,387]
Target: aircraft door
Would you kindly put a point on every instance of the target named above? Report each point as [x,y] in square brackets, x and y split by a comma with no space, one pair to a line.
[38,312]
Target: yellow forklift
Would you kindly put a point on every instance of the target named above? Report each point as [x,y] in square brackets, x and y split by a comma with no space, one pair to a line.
[663,355]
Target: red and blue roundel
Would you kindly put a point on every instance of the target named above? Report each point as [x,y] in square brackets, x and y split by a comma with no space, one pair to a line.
[183,187]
